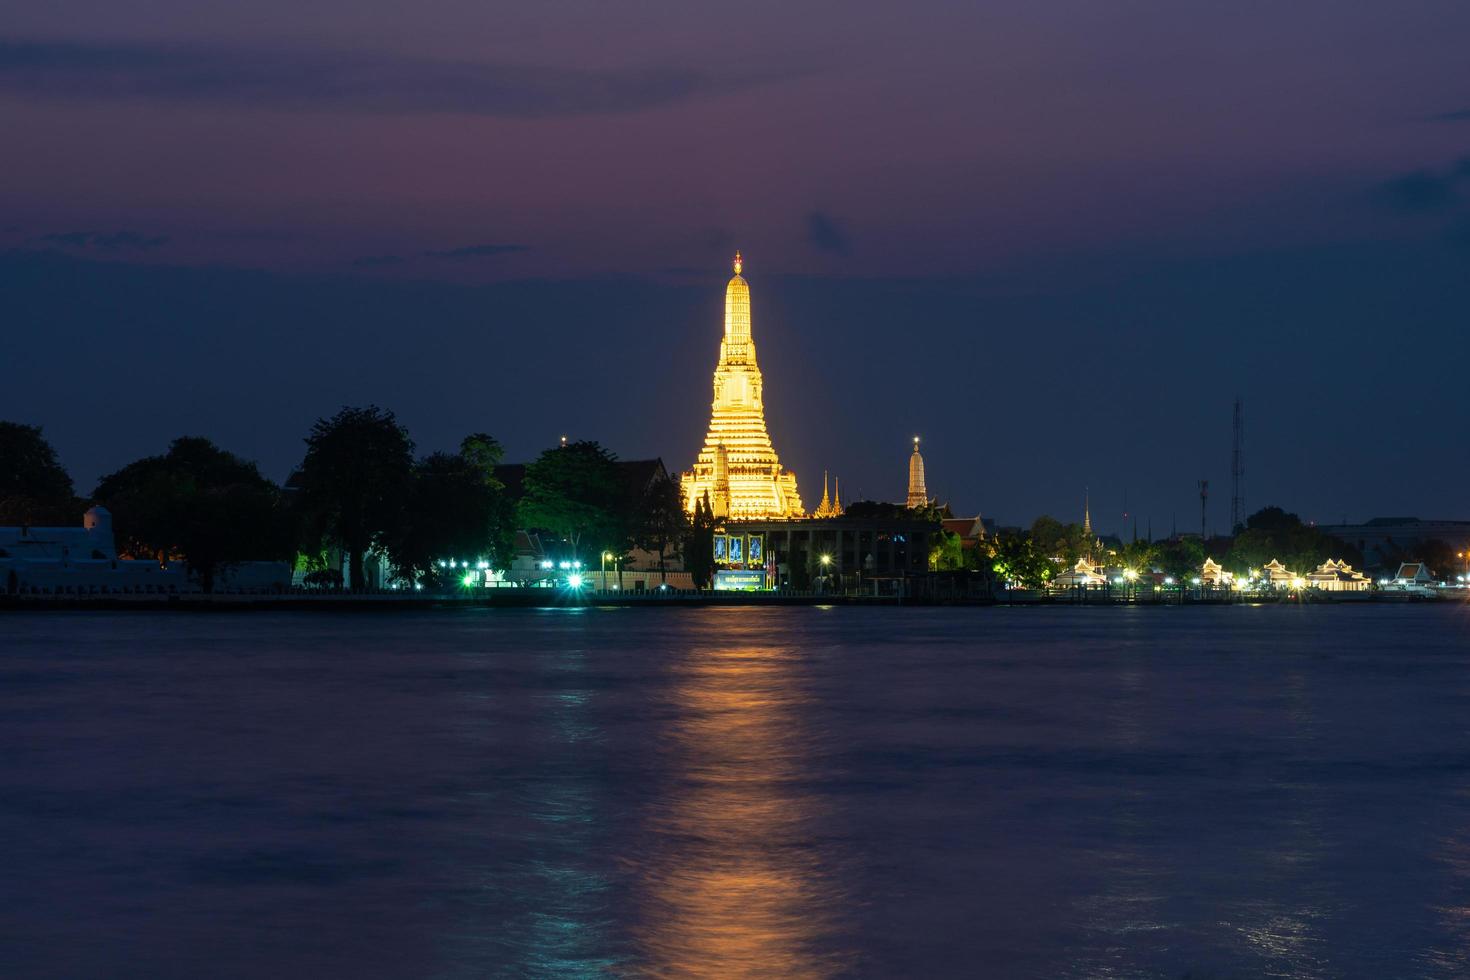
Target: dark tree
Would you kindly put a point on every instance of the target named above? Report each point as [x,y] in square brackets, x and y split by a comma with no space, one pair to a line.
[1272,519]
[355,478]
[451,511]
[1273,533]
[484,453]
[1441,558]
[199,503]
[661,521]
[34,488]
[1015,558]
[575,492]
[1181,559]
[699,547]
[946,552]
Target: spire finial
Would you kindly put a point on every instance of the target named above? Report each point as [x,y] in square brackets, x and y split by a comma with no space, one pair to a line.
[738,262]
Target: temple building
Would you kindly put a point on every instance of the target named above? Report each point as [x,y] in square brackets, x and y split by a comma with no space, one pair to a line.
[738,468]
[1336,575]
[918,493]
[831,506]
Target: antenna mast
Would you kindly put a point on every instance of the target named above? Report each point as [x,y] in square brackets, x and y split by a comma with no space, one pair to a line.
[1237,470]
[1204,499]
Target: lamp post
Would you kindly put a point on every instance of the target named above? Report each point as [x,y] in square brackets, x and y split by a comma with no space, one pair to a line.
[605,557]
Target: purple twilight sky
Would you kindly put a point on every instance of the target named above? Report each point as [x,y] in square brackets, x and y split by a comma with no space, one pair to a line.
[1056,239]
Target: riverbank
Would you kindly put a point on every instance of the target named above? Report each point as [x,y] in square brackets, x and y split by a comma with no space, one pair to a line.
[565,599]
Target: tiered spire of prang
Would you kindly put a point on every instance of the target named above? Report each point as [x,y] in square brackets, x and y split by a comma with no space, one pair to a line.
[752,486]
[831,506]
[918,493]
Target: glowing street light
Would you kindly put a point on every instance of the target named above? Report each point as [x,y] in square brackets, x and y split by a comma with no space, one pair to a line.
[574,581]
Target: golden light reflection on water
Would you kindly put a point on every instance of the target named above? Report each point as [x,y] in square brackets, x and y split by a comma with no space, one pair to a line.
[737,885]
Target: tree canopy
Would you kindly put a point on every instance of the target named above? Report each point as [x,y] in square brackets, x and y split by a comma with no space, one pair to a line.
[455,508]
[34,488]
[1015,558]
[356,478]
[1272,533]
[576,492]
[699,545]
[200,503]
[661,521]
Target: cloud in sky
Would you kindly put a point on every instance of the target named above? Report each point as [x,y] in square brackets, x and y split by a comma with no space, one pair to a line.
[106,241]
[1422,190]
[324,80]
[475,251]
[376,261]
[827,233]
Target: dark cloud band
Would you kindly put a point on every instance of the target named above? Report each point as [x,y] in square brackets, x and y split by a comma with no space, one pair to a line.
[475,251]
[307,80]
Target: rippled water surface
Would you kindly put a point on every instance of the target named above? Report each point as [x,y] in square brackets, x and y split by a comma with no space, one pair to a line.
[1226,792]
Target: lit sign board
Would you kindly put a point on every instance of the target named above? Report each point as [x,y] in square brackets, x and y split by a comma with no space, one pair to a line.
[755,551]
[740,581]
[721,548]
[737,549]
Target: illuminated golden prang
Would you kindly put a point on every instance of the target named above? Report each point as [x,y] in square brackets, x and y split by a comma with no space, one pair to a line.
[738,468]
[918,492]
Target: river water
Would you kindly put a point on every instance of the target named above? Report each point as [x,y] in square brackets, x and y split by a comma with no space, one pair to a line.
[722,792]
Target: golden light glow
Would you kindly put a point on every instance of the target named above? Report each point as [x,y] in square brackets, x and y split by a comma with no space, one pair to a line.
[738,467]
[738,882]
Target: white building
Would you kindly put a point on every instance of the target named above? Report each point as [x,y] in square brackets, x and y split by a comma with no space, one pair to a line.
[79,561]
[84,561]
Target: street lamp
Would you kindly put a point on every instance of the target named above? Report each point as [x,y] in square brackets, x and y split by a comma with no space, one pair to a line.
[605,556]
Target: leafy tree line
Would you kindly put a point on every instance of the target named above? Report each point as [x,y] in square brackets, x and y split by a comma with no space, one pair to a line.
[359,489]
[1035,556]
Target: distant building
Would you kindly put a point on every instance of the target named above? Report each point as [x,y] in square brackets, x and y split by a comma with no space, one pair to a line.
[1338,576]
[1082,575]
[1414,573]
[1386,542]
[78,561]
[1213,575]
[972,531]
[846,548]
[84,561]
[1277,574]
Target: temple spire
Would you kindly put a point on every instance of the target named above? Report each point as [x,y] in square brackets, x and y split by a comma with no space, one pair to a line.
[830,506]
[1087,513]
[918,492]
[738,465]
